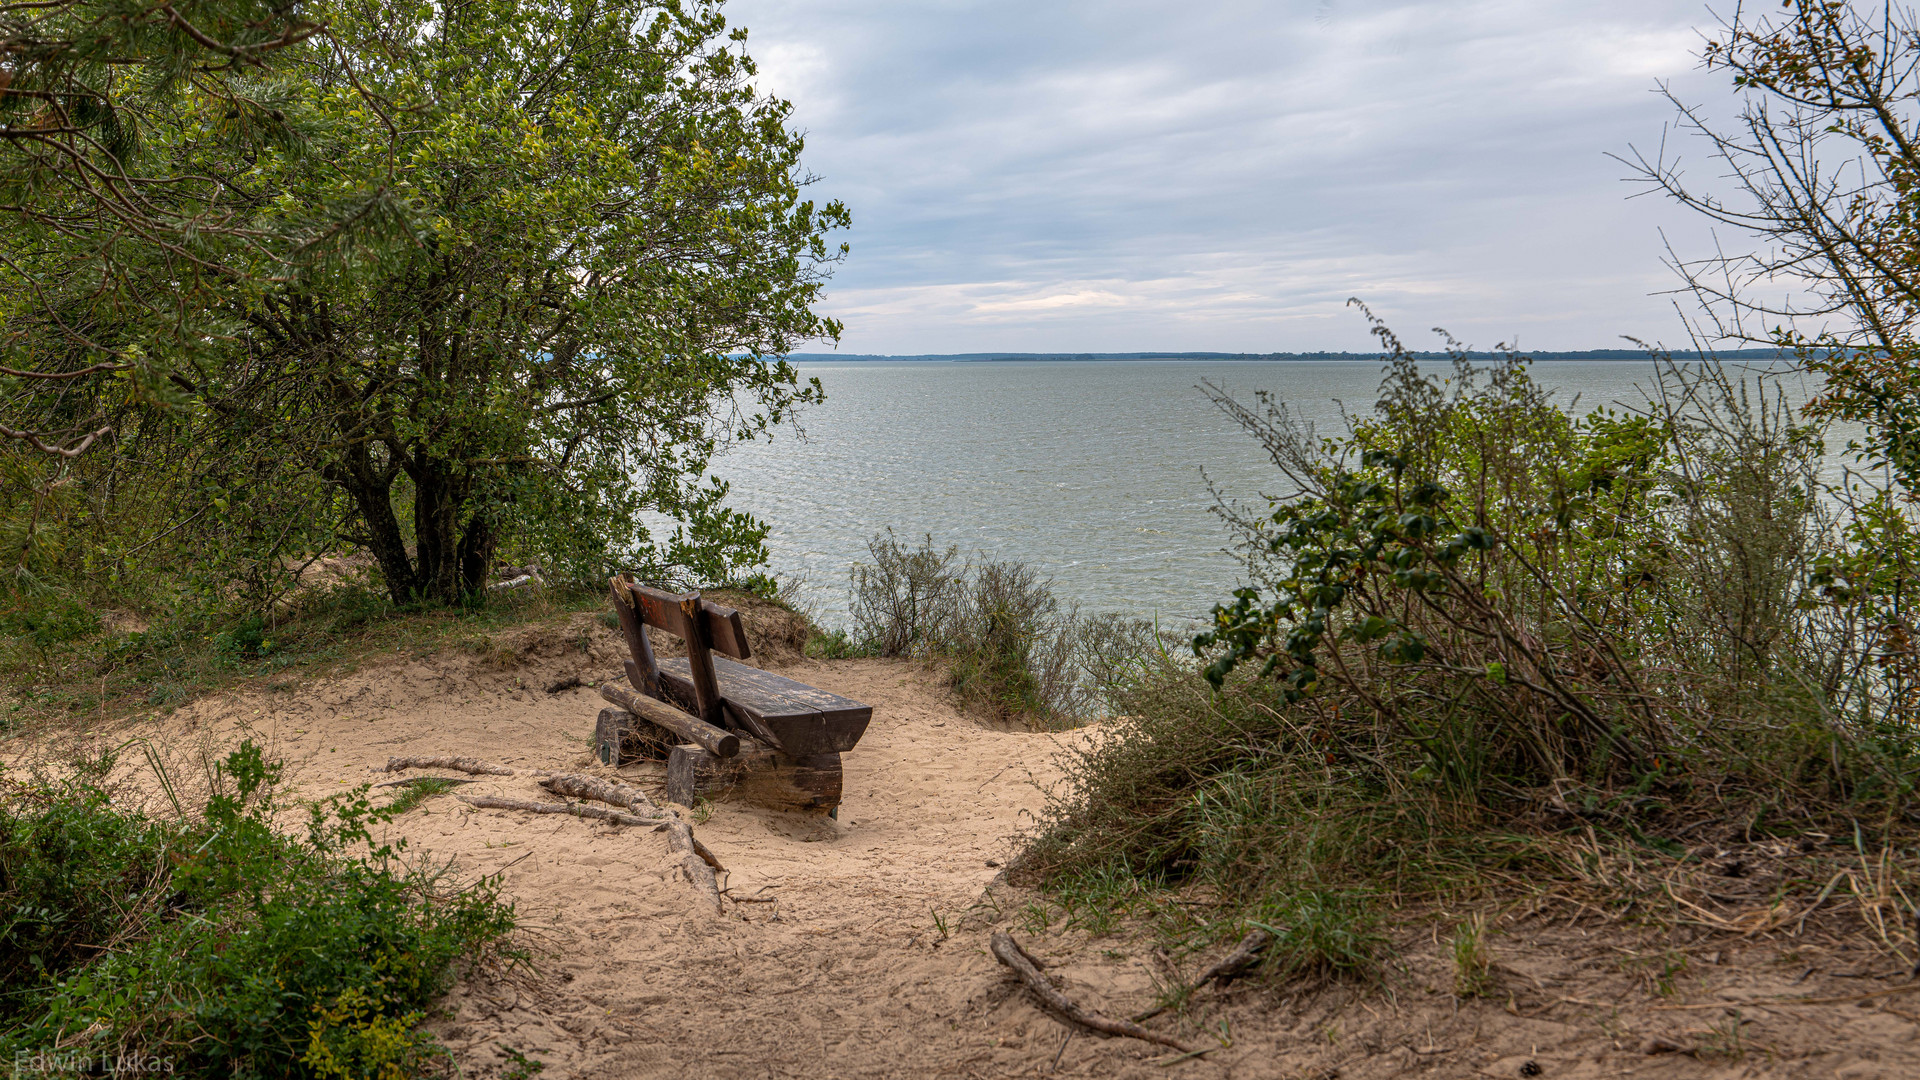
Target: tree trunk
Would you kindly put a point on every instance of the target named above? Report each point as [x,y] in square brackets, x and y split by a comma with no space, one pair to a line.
[452,561]
[372,490]
[435,533]
[476,554]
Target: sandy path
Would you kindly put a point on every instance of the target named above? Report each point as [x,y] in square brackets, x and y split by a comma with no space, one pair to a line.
[846,974]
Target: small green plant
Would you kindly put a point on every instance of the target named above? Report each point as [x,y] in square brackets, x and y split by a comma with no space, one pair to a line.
[1662,973]
[1724,1038]
[418,791]
[760,584]
[835,645]
[1036,917]
[519,1065]
[1472,963]
[246,641]
[940,924]
[1097,899]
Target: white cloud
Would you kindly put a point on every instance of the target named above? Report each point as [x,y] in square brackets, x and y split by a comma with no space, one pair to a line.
[1223,174]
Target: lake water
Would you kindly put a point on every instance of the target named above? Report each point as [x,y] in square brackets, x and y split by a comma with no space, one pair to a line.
[1093,472]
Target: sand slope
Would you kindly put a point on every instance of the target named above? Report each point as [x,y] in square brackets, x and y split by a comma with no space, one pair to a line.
[847,974]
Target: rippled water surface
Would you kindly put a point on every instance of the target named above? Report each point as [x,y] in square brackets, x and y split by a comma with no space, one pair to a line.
[1090,471]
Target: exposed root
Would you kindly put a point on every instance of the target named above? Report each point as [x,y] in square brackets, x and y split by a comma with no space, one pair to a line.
[1008,952]
[699,870]
[582,786]
[495,802]
[701,863]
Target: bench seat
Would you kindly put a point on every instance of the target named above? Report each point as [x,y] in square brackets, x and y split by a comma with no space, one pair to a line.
[799,719]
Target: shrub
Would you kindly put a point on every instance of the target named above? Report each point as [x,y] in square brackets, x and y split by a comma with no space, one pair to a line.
[1001,641]
[1009,647]
[218,944]
[903,600]
[1476,615]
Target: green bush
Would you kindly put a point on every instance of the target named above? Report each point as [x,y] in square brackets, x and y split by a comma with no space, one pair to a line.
[215,942]
[1009,647]
[1478,616]
[49,621]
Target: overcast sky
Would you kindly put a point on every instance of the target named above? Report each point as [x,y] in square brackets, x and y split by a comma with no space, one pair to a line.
[1109,175]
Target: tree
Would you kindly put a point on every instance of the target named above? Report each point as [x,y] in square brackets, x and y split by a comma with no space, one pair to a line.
[109,249]
[600,242]
[1824,170]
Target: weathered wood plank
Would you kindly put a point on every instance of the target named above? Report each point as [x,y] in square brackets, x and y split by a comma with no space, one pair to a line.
[706,688]
[642,671]
[691,728]
[800,719]
[726,631]
[759,774]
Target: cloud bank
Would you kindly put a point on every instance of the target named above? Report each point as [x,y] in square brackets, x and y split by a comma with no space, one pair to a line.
[1222,175]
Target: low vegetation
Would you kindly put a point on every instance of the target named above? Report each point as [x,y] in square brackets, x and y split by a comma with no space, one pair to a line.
[62,662]
[1476,626]
[996,629]
[213,941]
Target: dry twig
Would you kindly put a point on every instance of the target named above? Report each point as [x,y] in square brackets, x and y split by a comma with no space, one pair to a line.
[1008,952]
[495,802]
[1243,956]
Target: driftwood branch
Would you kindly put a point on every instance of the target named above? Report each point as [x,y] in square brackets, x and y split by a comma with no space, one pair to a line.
[699,859]
[1008,952]
[1243,956]
[699,871]
[495,802]
[467,765]
[583,786]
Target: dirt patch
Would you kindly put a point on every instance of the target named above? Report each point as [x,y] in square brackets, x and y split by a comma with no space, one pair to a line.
[857,947]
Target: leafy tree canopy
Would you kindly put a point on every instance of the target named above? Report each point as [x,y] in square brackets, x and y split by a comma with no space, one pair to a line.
[530,261]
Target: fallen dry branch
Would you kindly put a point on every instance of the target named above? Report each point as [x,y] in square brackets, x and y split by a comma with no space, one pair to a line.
[1008,952]
[582,786]
[700,860]
[495,802]
[412,781]
[699,871]
[467,765]
[1243,956]
[706,853]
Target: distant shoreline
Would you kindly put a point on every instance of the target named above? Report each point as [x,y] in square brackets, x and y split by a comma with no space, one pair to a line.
[1627,355]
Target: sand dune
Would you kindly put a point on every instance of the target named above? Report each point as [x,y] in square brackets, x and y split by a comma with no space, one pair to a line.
[870,958]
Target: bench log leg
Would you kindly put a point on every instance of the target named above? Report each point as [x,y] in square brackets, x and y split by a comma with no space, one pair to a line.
[621,738]
[759,774]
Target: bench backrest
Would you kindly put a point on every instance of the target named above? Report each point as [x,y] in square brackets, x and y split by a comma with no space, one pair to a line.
[705,626]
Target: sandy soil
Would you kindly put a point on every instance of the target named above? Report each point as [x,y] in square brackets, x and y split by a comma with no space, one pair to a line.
[870,960]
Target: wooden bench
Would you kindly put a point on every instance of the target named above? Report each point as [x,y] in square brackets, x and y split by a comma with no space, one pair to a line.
[724,727]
